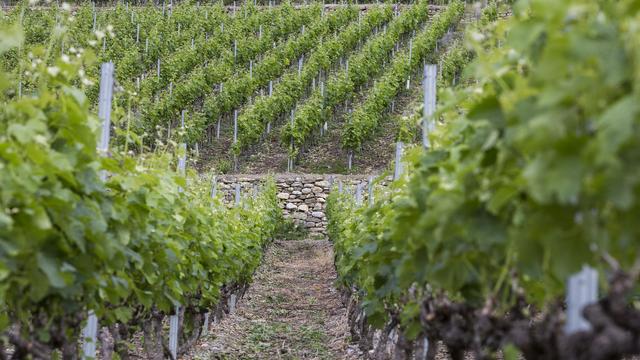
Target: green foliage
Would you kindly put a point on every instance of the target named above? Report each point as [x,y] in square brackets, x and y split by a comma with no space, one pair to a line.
[365,118]
[363,65]
[531,175]
[145,238]
[292,86]
[289,230]
[223,67]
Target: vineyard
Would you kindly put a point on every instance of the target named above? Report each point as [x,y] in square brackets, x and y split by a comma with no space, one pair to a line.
[410,180]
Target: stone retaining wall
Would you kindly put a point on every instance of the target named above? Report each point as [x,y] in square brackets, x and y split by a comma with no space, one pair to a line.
[302,198]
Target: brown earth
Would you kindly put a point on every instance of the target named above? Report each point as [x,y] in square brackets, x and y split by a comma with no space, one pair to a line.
[291,311]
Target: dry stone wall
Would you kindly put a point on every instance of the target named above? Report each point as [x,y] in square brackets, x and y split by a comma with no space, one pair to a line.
[302,198]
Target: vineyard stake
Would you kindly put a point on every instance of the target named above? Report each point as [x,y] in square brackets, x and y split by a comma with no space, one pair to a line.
[182,160]
[174,319]
[398,162]
[214,186]
[232,304]
[90,331]
[430,80]
[173,333]
[235,126]
[370,186]
[237,197]
[582,291]
[359,194]
[138,34]
[290,161]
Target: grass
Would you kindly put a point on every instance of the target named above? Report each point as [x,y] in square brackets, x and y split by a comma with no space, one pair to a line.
[306,339]
[288,230]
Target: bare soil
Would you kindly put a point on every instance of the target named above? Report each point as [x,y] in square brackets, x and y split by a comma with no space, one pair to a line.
[292,310]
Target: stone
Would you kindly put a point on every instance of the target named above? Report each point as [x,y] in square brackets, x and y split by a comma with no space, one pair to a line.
[309,224]
[300,216]
[317,214]
[317,190]
[324,184]
[313,219]
[309,186]
[291,206]
[323,196]
[303,207]
[317,230]
[306,191]
[296,192]
[317,206]
[297,184]
[283,196]
[321,200]
[310,201]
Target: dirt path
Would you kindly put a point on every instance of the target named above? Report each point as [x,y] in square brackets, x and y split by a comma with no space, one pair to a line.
[292,310]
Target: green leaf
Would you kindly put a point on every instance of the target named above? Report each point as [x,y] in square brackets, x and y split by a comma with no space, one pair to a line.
[10,37]
[51,268]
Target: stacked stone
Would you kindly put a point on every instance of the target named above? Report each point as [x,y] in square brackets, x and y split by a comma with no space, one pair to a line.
[304,201]
[302,198]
